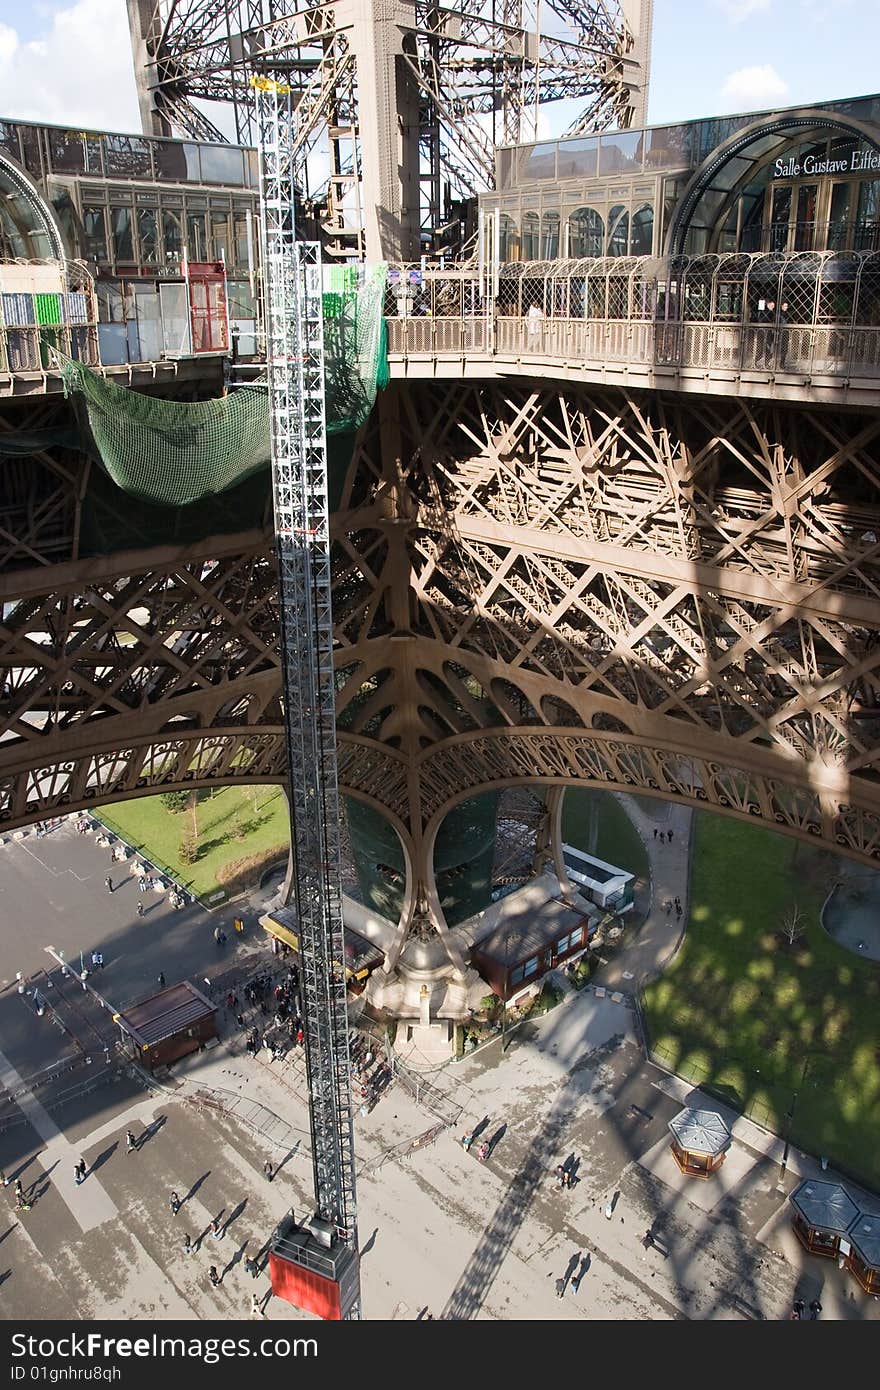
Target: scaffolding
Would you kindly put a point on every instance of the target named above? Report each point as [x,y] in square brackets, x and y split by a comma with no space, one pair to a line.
[295,361]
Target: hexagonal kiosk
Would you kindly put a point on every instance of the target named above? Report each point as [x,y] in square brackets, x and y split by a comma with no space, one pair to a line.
[824,1212]
[700,1139]
[863,1259]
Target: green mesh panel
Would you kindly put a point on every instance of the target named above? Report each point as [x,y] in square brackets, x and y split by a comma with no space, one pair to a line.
[355,345]
[172,453]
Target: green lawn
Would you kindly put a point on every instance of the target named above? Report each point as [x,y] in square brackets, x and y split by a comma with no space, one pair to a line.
[761,1022]
[235,823]
[616,839]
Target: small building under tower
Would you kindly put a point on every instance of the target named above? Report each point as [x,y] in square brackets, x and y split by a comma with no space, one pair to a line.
[169,1025]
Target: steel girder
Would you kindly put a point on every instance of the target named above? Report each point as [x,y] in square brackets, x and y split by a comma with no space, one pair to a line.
[531,584]
[467,61]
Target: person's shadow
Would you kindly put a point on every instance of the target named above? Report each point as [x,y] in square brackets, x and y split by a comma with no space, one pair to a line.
[102,1158]
[196,1185]
[233,1216]
[478,1129]
[151,1131]
[585,1265]
[368,1245]
[496,1139]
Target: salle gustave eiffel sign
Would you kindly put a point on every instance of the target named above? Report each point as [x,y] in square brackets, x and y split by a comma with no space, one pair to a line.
[858,161]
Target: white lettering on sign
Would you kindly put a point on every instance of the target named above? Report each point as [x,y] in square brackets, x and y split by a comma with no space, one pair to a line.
[858,161]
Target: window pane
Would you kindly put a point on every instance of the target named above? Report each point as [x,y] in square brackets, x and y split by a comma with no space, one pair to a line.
[220,236]
[550,236]
[618,231]
[538,162]
[642,231]
[620,154]
[586,233]
[508,238]
[171,161]
[222,164]
[530,967]
[196,243]
[148,235]
[120,220]
[127,156]
[71,152]
[96,235]
[530,236]
[171,235]
[241,240]
[578,158]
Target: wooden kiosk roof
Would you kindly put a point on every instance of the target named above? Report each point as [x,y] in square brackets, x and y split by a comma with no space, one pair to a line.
[825,1206]
[165,1014]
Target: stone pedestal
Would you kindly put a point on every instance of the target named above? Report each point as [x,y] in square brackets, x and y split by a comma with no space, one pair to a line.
[424,1047]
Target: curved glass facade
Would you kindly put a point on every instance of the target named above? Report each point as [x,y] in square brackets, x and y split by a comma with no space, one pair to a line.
[779,182]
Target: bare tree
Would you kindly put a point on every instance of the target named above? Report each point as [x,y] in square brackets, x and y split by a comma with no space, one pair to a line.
[792,925]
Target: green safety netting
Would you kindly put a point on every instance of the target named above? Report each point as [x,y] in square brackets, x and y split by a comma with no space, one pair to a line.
[173,453]
[355,345]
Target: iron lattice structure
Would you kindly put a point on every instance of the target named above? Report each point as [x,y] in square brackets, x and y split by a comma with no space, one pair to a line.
[534,585]
[410,97]
[295,362]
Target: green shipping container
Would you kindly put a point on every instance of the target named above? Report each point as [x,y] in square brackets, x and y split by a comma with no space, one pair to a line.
[47,308]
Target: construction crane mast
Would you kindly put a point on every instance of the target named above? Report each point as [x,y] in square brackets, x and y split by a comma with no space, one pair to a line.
[327,1247]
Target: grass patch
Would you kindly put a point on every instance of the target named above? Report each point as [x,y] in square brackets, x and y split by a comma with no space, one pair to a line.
[760,1022]
[241,831]
[616,839]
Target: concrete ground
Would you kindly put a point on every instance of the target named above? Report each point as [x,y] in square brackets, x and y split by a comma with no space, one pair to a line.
[439,1230]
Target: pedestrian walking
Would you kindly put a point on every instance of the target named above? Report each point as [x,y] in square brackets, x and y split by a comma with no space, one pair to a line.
[655,832]
[174,1203]
[22,1203]
[4,1181]
[79,1172]
[161,979]
[187,1244]
[19,1190]
[798,1309]
[560,1288]
[267,1169]
[815,1309]
[257,1310]
[108,884]
[668,906]
[140,909]
[677,901]
[214,1228]
[214,1276]
[669,836]
[678,910]
[130,1142]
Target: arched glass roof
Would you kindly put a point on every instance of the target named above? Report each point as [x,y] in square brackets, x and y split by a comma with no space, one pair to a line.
[27,228]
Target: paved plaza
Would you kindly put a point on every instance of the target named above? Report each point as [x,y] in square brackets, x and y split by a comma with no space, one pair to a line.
[439,1230]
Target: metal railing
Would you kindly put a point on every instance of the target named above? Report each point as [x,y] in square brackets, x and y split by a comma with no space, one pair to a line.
[812,350]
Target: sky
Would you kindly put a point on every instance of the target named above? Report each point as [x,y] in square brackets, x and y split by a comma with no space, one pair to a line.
[69,61]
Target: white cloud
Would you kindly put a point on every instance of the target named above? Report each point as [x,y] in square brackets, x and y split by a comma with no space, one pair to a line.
[750,89]
[738,10]
[77,73]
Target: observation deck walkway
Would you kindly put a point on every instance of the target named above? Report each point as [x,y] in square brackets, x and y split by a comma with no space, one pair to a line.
[792,327]
[814,361]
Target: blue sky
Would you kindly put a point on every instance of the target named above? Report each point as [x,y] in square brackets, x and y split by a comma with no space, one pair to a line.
[68,61]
